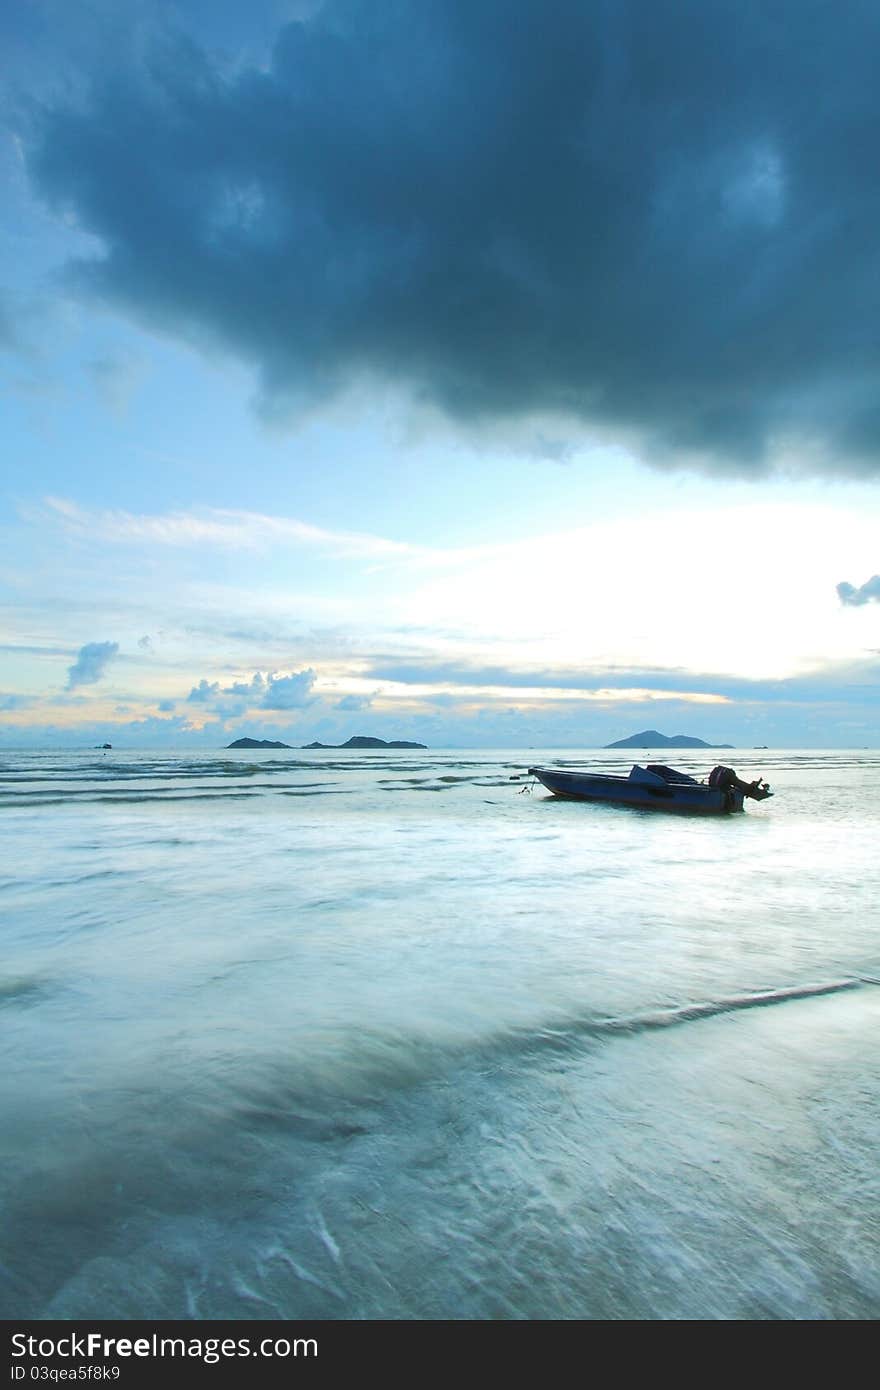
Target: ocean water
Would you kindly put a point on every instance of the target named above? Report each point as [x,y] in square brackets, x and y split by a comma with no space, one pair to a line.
[349,1035]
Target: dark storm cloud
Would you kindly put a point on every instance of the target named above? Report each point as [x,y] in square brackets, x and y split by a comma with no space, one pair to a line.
[9,333]
[661,218]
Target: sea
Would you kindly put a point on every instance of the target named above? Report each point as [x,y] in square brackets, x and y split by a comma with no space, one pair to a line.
[330,1034]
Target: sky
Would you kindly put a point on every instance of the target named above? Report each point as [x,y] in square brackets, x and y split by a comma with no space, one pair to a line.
[485,373]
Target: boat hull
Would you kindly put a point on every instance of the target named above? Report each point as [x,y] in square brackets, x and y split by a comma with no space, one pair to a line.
[685,798]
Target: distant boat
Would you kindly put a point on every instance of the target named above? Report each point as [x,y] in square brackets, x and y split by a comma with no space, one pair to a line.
[656,788]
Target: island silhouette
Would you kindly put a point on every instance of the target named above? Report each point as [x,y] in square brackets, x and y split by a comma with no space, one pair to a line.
[649,738]
[359,741]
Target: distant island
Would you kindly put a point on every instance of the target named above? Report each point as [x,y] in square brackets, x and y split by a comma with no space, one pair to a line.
[360,742]
[357,742]
[649,738]
[257,743]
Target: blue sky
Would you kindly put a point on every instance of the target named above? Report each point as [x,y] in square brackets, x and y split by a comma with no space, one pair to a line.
[481,374]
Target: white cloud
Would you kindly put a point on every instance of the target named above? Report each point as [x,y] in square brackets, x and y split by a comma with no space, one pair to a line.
[866,593]
[204,693]
[254,688]
[272,691]
[290,692]
[15,702]
[352,703]
[235,530]
[91,663]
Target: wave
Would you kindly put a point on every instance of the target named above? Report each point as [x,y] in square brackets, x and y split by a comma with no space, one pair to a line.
[691,1013]
[23,989]
[290,1091]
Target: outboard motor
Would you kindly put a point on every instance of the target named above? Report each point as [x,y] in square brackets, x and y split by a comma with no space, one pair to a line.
[725,779]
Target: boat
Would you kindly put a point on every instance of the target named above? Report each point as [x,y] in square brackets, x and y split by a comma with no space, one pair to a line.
[657,788]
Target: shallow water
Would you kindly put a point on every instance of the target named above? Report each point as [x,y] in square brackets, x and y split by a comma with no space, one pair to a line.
[289,1037]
